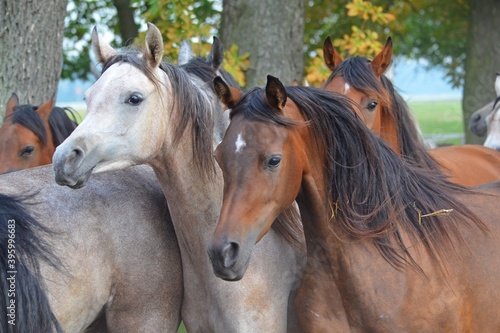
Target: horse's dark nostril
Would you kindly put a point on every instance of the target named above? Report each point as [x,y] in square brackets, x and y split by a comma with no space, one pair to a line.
[476,117]
[77,152]
[230,253]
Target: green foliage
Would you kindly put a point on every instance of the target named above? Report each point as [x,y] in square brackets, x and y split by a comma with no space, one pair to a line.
[431,29]
[362,39]
[81,18]
[434,30]
[185,19]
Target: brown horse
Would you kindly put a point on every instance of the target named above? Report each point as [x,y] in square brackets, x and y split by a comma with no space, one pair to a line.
[29,135]
[384,111]
[391,246]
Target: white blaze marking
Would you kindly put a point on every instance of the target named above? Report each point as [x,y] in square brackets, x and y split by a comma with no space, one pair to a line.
[240,143]
[346,88]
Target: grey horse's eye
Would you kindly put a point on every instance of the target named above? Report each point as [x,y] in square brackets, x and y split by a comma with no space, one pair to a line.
[134,100]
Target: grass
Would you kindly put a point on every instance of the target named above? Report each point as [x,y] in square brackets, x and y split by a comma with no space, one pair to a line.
[437,118]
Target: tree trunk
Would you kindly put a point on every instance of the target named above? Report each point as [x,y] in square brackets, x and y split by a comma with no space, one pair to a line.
[272,31]
[30,49]
[128,28]
[483,59]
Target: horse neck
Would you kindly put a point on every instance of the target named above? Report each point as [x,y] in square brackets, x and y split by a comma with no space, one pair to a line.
[194,197]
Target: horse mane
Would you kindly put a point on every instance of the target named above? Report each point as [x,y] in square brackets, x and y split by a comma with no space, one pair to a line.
[358,74]
[376,193]
[60,123]
[33,312]
[199,108]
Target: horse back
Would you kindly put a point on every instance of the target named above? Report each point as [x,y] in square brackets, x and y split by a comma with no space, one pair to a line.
[468,165]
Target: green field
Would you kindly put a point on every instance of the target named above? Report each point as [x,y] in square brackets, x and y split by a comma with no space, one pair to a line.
[439,117]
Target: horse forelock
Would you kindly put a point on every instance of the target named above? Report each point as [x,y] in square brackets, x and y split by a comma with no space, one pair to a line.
[26,116]
[61,124]
[371,186]
[357,72]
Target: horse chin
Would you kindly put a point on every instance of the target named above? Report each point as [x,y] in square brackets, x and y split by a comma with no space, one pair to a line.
[72,181]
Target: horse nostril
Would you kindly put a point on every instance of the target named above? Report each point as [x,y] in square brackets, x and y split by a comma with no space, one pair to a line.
[476,118]
[230,253]
[76,153]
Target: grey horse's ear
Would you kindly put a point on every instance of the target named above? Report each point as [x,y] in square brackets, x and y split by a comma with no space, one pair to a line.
[275,93]
[185,53]
[216,55]
[154,46]
[102,50]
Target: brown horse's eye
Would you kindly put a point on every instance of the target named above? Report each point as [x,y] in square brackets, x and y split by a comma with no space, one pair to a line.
[372,105]
[273,162]
[27,151]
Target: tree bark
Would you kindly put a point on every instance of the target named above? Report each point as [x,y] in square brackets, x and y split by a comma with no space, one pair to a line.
[272,31]
[30,49]
[483,59]
[128,28]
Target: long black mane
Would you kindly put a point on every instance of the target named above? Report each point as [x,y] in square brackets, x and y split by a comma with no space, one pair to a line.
[22,247]
[358,74]
[377,194]
[61,125]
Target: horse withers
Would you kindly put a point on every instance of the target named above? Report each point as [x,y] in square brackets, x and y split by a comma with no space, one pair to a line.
[30,134]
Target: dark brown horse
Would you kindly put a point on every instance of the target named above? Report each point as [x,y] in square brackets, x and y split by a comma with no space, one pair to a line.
[29,134]
[391,247]
[385,112]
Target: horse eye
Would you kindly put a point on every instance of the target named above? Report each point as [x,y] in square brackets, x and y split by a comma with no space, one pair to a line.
[134,100]
[27,151]
[273,162]
[372,105]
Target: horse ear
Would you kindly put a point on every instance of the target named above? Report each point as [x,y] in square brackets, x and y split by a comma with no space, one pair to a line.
[11,104]
[103,51]
[185,53]
[229,96]
[332,57]
[497,84]
[154,46]
[382,60]
[45,109]
[216,55]
[275,93]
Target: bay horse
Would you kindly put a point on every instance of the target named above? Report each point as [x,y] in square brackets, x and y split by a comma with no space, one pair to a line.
[384,111]
[29,134]
[103,259]
[391,247]
[145,111]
